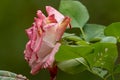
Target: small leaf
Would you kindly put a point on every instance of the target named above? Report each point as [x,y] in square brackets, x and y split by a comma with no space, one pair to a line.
[100,72]
[67,35]
[113,30]
[73,66]
[6,75]
[93,32]
[72,39]
[75,10]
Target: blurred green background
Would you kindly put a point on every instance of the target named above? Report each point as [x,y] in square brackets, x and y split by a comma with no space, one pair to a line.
[17,15]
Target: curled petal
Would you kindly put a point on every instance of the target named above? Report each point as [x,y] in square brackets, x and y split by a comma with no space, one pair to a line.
[38,22]
[29,32]
[50,59]
[46,61]
[58,16]
[35,69]
[51,19]
[37,43]
[50,35]
[62,27]
[40,15]
[28,51]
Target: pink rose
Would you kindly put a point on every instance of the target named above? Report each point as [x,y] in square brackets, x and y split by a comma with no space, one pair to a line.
[44,37]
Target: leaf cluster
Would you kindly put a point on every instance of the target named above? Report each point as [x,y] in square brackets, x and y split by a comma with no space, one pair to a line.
[91,47]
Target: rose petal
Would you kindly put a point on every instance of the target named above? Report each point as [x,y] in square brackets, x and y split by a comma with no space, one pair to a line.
[51,19]
[28,51]
[50,11]
[29,32]
[50,33]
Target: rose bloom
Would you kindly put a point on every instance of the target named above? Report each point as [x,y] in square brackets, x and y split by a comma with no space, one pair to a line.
[44,40]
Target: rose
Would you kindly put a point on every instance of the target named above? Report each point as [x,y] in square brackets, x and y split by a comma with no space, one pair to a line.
[44,37]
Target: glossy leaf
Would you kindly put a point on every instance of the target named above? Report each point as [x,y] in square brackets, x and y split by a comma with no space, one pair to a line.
[113,30]
[67,52]
[70,58]
[93,32]
[109,39]
[6,75]
[76,10]
[103,56]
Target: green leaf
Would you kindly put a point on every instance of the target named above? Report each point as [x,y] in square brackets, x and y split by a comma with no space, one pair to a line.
[70,58]
[6,75]
[103,56]
[72,39]
[75,10]
[85,75]
[71,52]
[113,30]
[73,66]
[93,32]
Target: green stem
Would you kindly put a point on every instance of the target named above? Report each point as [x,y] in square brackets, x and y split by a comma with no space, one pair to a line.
[113,77]
[83,34]
[109,76]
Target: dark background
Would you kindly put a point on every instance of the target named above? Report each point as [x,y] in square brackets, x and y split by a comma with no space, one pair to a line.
[17,15]
[103,11]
